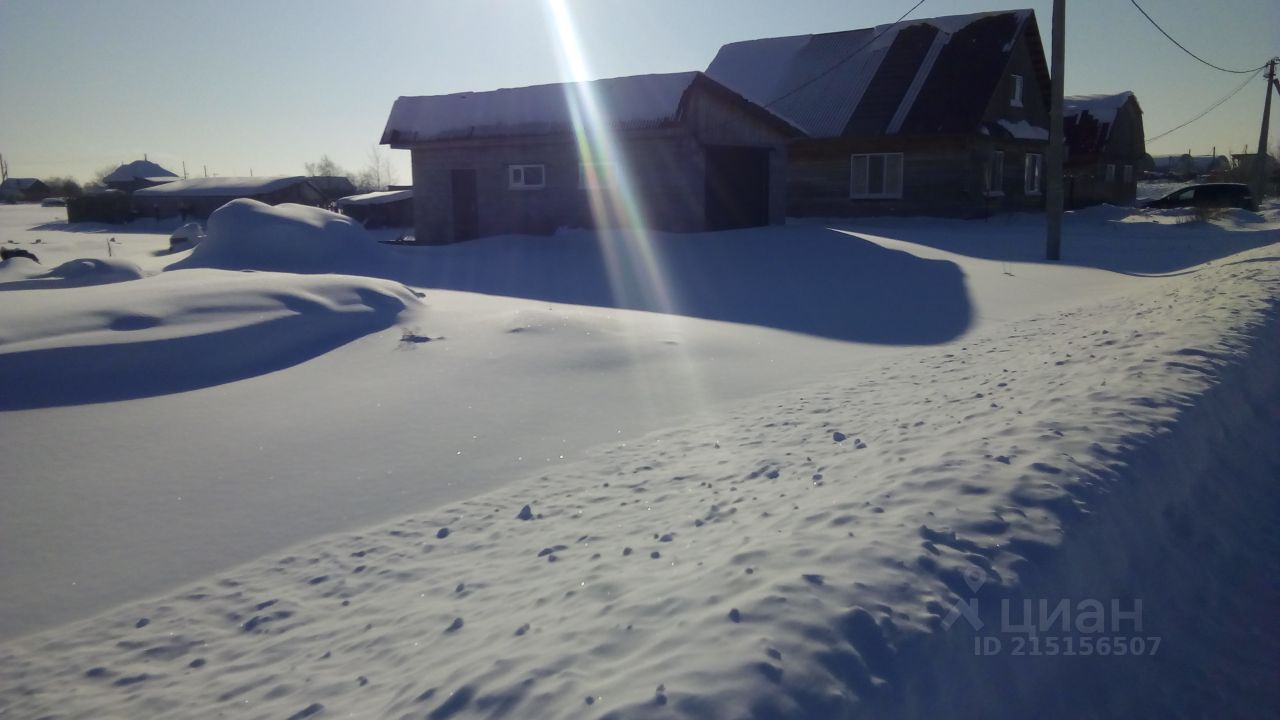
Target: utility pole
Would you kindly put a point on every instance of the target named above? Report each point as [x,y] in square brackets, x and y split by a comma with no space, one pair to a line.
[1260,161]
[4,169]
[1053,198]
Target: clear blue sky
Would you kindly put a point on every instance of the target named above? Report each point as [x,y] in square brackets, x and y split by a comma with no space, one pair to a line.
[268,85]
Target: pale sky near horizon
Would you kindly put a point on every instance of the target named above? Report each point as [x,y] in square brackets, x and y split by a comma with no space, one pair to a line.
[268,85]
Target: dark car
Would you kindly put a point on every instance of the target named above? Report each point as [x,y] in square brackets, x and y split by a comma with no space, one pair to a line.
[1208,195]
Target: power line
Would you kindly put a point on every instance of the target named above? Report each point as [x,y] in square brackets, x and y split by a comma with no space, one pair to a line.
[843,60]
[1185,50]
[1211,108]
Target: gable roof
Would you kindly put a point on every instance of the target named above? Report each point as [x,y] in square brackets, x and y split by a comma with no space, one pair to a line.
[629,103]
[919,76]
[20,184]
[1087,120]
[221,186]
[138,169]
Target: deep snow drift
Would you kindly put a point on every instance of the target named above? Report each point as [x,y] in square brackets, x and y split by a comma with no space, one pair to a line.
[794,548]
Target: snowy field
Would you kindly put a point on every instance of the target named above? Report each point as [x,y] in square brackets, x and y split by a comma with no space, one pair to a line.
[761,468]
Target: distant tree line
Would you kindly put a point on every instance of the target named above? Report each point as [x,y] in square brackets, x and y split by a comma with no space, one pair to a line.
[376,175]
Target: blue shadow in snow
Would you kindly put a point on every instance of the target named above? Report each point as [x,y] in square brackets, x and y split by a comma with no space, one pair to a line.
[86,374]
[800,279]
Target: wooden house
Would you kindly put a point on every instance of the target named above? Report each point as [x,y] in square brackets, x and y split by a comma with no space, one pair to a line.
[23,190]
[198,197]
[1105,145]
[677,152]
[945,116]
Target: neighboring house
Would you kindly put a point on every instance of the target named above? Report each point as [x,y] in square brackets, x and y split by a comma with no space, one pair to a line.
[23,190]
[945,116]
[392,208]
[1244,164]
[333,187]
[675,152]
[1105,145]
[198,197]
[137,175]
[1190,167]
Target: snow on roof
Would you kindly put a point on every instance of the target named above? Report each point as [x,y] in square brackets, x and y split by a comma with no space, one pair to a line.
[1024,130]
[18,183]
[138,169]
[221,186]
[376,198]
[819,81]
[633,102]
[1102,107]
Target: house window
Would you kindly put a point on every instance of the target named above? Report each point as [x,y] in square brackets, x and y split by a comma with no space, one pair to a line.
[526,177]
[592,176]
[995,173]
[1111,172]
[1032,177]
[875,176]
[1016,98]
[1128,173]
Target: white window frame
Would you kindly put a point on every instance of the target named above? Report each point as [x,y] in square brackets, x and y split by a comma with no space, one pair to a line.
[516,177]
[1111,172]
[1033,182]
[606,176]
[1128,173]
[1015,99]
[994,174]
[888,190]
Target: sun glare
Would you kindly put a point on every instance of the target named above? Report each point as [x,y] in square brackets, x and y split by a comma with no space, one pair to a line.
[632,258]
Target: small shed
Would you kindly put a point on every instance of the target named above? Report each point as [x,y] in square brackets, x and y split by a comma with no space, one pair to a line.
[198,197]
[1105,145]
[23,190]
[677,152]
[387,209]
[137,175]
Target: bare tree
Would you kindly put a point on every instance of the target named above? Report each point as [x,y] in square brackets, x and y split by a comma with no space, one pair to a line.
[326,167]
[378,173]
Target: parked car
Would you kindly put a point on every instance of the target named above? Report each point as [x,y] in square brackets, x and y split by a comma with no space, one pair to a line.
[53,202]
[1208,195]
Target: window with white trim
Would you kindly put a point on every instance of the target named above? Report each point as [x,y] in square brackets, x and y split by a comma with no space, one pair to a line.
[1111,172]
[526,177]
[875,176]
[1033,175]
[995,173]
[1015,99]
[592,176]
[1128,173]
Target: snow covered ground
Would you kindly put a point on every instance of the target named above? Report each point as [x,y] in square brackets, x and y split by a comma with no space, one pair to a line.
[766,500]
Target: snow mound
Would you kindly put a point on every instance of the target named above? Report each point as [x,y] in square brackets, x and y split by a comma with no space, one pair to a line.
[81,272]
[95,271]
[189,233]
[246,234]
[178,331]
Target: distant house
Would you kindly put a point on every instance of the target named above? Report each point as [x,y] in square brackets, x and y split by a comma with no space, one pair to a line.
[945,116]
[1244,164]
[333,186]
[1189,167]
[391,208]
[137,175]
[198,197]
[23,190]
[1105,146]
[691,155]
